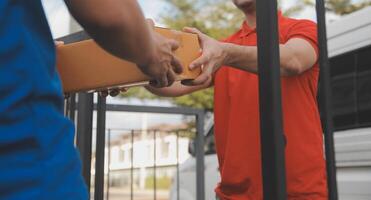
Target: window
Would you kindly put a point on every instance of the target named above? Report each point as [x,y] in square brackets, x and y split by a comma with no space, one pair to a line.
[364,87]
[165,148]
[343,75]
[351,89]
[121,155]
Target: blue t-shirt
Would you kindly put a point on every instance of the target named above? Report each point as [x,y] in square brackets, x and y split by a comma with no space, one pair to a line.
[37,156]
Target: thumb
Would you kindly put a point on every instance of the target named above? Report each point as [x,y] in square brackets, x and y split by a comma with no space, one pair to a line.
[202,60]
[200,35]
[192,30]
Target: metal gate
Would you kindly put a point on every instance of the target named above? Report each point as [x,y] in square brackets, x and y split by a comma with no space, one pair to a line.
[84,123]
[272,142]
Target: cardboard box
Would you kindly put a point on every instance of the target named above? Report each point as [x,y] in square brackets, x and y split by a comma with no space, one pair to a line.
[84,66]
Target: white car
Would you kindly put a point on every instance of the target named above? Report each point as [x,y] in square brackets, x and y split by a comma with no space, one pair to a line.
[187,172]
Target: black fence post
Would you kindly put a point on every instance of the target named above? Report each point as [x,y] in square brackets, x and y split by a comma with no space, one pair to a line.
[177,166]
[200,165]
[132,165]
[84,133]
[272,139]
[108,162]
[154,165]
[72,107]
[325,95]
[100,149]
[66,103]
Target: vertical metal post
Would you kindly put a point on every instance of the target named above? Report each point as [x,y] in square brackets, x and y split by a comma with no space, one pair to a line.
[69,103]
[84,133]
[132,166]
[271,131]
[199,148]
[66,106]
[108,161]
[154,165]
[72,107]
[325,94]
[177,166]
[100,146]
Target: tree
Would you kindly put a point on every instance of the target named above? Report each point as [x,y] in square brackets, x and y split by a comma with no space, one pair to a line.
[218,19]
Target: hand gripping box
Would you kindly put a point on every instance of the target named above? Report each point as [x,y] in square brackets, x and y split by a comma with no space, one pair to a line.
[84,66]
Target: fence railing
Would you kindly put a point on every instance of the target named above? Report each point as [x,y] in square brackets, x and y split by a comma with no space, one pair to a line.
[130,152]
[84,137]
[272,143]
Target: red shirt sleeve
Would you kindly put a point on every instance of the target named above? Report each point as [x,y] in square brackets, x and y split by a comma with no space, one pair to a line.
[304,29]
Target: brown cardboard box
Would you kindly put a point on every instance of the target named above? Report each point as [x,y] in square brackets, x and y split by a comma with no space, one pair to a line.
[84,66]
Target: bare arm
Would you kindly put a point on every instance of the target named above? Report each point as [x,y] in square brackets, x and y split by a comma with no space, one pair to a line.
[118,26]
[296,56]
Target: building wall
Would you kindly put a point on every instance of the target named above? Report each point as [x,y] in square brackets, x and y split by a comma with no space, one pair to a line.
[143,162]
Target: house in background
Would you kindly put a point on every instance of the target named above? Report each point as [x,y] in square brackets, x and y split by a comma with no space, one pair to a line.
[141,152]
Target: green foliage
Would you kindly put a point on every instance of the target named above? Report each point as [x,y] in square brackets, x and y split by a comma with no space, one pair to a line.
[163,182]
[200,99]
[140,93]
[219,19]
[216,18]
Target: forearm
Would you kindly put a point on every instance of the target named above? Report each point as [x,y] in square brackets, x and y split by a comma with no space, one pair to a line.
[116,24]
[246,58]
[241,57]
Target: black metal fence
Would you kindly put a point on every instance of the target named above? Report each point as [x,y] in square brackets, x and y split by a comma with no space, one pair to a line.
[129,152]
[272,142]
[84,138]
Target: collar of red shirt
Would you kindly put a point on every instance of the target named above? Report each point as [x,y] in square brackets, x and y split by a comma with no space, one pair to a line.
[247,30]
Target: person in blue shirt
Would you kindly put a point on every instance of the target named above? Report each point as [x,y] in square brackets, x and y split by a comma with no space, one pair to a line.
[38,159]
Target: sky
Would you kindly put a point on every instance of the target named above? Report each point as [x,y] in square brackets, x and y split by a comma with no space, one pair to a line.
[58,16]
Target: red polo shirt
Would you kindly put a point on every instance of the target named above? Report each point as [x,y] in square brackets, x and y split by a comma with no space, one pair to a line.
[237,131]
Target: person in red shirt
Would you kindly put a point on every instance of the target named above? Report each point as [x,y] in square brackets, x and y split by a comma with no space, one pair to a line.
[231,66]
